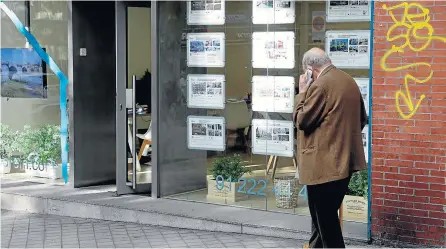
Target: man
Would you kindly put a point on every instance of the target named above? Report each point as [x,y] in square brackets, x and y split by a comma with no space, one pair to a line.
[329,116]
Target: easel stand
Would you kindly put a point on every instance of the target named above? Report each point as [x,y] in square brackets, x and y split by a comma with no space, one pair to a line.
[272,163]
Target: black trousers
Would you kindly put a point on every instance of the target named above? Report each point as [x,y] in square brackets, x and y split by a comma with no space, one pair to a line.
[324,201]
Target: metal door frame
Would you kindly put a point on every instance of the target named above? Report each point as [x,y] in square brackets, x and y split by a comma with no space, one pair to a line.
[122,186]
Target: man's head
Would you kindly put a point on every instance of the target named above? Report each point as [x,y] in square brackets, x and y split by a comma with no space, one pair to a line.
[316,60]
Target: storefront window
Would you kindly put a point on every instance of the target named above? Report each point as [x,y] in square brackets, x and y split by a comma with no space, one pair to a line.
[30,92]
[226,129]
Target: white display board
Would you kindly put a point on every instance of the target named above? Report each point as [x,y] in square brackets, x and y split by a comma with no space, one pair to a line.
[365,142]
[349,48]
[206,91]
[273,11]
[318,26]
[206,12]
[273,50]
[272,137]
[273,94]
[206,49]
[363,84]
[206,133]
[348,11]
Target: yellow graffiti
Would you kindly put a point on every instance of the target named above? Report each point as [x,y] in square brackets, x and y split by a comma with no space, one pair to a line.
[413,23]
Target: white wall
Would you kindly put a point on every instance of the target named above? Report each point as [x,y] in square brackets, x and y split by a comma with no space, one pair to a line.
[138,42]
[49,24]
[139,53]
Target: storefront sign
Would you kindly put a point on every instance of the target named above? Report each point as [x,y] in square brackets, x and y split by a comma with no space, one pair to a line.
[247,186]
[349,48]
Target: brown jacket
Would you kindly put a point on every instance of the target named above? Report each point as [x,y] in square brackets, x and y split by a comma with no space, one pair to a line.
[329,118]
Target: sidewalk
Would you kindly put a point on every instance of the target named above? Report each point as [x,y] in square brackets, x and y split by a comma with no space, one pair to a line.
[25,230]
[101,203]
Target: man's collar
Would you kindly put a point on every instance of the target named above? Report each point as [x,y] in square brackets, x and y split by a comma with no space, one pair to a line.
[325,70]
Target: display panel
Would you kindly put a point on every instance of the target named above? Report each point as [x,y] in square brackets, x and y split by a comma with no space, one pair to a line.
[273,94]
[363,84]
[348,11]
[273,50]
[349,48]
[206,49]
[365,142]
[206,91]
[272,137]
[206,133]
[23,73]
[273,11]
[206,12]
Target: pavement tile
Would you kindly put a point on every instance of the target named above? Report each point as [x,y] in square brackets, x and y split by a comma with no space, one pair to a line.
[20,230]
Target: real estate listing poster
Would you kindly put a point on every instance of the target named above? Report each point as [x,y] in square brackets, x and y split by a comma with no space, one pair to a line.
[206,49]
[365,142]
[272,137]
[273,94]
[318,26]
[363,84]
[206,91]
[349,48]
[273,50]
[206,12]
[348,11]
[273,11]
[206,133]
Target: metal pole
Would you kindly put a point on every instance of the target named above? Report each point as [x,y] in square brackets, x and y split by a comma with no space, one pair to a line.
[134,132]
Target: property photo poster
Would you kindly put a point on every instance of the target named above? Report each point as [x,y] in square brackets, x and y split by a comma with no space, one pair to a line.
[363,84]
[365,142]
[206,133]
[206,91]
[272,137]
[273,50]
[348,11]
[273,94]
[206,49]
[273,11]
[349,48]
[206,12]
[23,73]
[318,26]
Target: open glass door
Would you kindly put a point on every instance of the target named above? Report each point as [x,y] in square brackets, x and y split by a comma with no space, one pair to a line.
[133,95]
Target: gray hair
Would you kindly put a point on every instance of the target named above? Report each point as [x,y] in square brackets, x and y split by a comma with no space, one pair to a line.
[314,59]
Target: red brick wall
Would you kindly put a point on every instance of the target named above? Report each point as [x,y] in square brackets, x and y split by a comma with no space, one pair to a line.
[409,144]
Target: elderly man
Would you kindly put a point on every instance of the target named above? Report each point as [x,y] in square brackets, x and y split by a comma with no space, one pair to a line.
[329,116]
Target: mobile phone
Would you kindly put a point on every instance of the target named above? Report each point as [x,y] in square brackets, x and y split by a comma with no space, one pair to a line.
[309,73]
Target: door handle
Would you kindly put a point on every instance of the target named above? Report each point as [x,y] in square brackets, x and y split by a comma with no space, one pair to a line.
[134,131]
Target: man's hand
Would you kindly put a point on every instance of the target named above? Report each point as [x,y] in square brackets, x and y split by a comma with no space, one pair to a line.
[303,86]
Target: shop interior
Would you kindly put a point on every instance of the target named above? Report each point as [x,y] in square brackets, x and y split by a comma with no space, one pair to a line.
[264,175]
